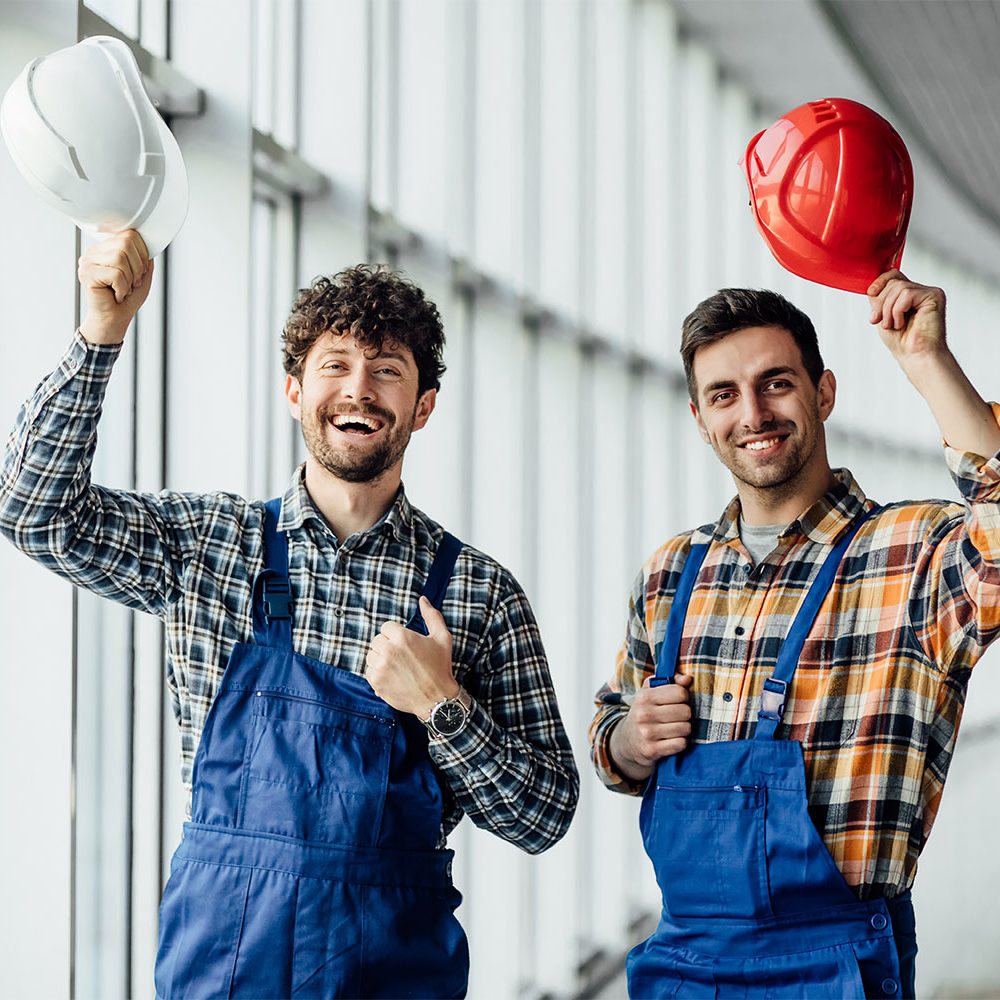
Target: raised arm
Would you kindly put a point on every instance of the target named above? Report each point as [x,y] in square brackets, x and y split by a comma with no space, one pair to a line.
[911,320]
[125,546]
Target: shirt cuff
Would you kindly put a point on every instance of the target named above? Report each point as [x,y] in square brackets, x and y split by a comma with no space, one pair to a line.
[94,357]
[604,762]
[470,749]
[977,476]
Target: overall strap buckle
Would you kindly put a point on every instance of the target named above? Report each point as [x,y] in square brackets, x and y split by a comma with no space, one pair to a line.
[277,598]
[772,700]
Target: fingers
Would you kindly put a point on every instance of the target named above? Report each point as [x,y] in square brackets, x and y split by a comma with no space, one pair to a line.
[647,740]
[668,748]
[391,630]
[894,303]
[665,694]
[876,287]
[894,299]
[433,619]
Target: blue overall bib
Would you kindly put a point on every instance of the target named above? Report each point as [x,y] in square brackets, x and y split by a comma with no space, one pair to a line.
[309,867]
[753,903]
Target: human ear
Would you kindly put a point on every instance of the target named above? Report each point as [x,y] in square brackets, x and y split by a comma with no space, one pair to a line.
[425,407]
[702,429]
[826,393]
[293,393]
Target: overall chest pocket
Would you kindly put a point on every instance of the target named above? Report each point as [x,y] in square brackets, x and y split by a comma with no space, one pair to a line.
[708,851]
[315,770]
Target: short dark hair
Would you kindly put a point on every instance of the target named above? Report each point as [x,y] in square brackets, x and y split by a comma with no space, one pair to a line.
[374,304]
[730,310]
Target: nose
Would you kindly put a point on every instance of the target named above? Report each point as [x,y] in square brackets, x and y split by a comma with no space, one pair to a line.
[358,386]
[756,413]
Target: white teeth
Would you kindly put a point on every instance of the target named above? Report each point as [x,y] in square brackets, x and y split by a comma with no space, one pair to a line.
[353,418]
[761,445]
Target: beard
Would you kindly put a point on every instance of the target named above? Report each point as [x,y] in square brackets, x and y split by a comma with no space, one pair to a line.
[361,462]
[780,474]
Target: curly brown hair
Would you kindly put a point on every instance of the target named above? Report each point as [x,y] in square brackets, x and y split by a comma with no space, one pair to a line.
[376,306]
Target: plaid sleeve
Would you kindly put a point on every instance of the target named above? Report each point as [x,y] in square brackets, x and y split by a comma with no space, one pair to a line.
[511,768]
[124,546]
[955,599]
[633,665]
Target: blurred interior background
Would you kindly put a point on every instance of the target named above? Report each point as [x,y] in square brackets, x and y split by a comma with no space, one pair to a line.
[561,177]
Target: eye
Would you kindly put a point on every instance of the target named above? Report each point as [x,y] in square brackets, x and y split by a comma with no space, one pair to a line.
[390,372]
[331,366]
[779,384]
[721,398]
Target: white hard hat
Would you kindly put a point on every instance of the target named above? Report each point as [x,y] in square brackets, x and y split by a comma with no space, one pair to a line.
[85,135]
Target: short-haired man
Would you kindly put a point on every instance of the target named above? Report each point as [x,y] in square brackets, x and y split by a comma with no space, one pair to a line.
[314,864]
[819,648]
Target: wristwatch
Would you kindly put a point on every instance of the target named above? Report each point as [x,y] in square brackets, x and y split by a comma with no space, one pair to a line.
[448,717]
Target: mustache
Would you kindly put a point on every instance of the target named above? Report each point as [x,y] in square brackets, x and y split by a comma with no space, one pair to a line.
[365,410]
[772,427]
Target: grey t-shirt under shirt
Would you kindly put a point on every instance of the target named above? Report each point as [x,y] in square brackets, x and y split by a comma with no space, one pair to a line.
[760,539]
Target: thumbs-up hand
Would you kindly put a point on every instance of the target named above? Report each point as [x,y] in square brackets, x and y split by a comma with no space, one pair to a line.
[409,671]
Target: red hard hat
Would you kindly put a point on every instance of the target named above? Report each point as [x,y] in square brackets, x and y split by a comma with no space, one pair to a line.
[831,188]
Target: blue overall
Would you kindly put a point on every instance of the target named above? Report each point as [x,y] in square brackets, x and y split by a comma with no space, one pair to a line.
[309,867]
[753,903]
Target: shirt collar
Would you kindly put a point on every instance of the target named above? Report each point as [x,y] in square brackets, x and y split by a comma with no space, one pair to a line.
[824,522]
[297,508]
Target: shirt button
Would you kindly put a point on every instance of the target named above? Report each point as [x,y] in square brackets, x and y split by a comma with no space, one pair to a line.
[747,567]
[889,987]
[339,612]
[740,630]
[879,921]
[728,696]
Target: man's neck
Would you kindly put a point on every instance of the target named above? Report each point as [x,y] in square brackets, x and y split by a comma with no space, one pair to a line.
[350,507]
[783,504]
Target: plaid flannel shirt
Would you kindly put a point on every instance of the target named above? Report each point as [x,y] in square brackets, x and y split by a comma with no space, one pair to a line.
[878,694]
[191,560]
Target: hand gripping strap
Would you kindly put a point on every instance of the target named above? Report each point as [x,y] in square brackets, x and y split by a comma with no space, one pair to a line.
[670,648]
[772,699]
[272,591]
[438,579]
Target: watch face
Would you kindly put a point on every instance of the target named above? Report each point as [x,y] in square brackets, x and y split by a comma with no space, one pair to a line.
[448,717]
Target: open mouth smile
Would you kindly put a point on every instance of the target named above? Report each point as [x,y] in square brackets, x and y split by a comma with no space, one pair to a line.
[356,424]
[763,446]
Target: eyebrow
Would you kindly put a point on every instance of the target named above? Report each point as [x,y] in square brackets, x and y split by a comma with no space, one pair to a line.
[760,377]
[381,356]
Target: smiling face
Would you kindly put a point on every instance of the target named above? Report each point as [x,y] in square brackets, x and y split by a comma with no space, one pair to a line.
[760,411]
[358,407]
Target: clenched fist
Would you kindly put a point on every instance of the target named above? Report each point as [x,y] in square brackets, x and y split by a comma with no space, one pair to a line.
[115,275]
[657,725]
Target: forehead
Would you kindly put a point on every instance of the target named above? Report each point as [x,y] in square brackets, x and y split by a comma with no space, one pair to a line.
[335,343]
[741,355]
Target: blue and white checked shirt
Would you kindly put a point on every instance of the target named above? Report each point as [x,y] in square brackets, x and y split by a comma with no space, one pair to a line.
[191,560]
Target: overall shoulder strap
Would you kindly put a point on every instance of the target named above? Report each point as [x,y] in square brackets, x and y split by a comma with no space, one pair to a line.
[272,591]
[772,699]
[666,664]
[436,585]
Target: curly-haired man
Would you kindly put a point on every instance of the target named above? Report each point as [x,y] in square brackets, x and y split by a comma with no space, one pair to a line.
[348,678]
